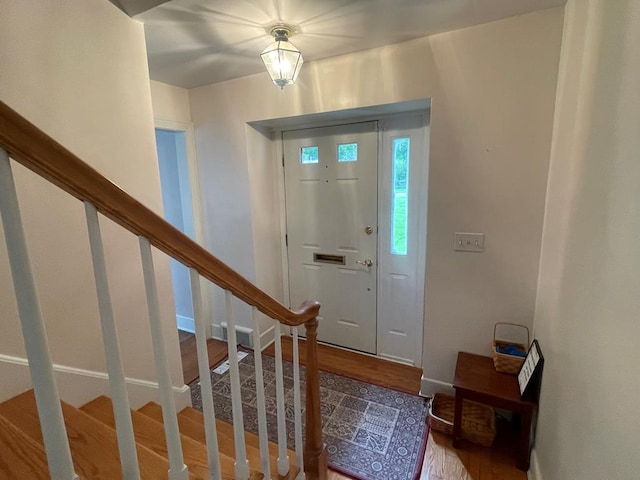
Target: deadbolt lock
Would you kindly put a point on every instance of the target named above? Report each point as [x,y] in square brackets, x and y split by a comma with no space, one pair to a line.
[368,229]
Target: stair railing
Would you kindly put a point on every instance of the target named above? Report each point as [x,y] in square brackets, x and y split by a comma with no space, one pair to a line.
[26,144]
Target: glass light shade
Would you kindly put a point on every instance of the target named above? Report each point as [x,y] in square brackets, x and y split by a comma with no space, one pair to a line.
[283,61]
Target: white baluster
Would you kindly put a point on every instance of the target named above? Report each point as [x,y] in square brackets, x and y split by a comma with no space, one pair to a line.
[297,405]
[260,402]
[208,410]
[177,469]
[117,387]
[242,464]
[54,433]
[283,457]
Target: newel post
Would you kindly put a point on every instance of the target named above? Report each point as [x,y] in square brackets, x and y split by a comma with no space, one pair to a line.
[315,455]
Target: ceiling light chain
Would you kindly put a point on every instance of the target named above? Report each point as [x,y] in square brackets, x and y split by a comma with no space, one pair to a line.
[281,58]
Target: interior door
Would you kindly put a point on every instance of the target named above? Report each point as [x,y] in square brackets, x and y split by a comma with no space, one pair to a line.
[331,203]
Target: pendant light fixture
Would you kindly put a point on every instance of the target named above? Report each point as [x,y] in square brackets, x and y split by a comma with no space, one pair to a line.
[282,59]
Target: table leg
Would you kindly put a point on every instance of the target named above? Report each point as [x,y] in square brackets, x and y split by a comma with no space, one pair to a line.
[524,443]
[457,421]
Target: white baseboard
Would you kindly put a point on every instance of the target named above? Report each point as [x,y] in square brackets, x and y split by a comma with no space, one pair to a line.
[266,338]
[534,472]
[430,386]
[185,323]
[244,335]
[216,331]
[78,386]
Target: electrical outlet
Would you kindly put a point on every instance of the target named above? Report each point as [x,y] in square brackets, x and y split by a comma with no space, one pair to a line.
[468,242]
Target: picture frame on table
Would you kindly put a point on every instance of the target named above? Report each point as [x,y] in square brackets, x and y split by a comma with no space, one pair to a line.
[530,374]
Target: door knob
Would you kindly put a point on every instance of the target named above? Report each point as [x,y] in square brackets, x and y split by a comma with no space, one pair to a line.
[367,262]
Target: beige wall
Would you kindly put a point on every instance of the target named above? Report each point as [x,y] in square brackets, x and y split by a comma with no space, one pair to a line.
[492,89]
[78,70]
[588,306]
[170,102]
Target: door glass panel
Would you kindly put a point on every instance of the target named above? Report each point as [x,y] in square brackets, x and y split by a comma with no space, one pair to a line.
[309,154]
[348,152]
[399,196]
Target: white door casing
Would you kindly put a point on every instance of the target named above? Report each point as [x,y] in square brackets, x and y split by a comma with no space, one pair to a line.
[329,205]
[191,212]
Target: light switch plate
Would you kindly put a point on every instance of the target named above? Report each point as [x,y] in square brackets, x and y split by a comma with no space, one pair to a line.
[468,242]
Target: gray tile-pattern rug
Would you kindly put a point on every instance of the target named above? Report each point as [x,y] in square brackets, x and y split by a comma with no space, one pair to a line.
[371,432]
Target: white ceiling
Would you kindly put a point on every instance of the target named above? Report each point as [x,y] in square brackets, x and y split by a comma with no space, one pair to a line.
[197,42]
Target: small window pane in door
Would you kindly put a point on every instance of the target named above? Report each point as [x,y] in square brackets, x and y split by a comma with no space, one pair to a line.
[309,154]
[399,196]
[348,152]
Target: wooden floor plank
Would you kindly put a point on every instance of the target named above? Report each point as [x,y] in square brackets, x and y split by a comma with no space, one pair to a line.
[21,457]
[217,350]
[151,434]
[94,446]
[442,461]
[358,366]
[226,439]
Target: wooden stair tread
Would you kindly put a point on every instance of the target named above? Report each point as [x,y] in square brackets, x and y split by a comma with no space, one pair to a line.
[21,457]
[225,431]
[187,426]
[93,445]
[150,433]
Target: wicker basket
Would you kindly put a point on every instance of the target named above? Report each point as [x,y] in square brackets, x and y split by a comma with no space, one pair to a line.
[508,363]
[478,421]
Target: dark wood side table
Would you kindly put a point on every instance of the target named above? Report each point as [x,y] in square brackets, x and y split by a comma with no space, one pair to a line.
[476,379]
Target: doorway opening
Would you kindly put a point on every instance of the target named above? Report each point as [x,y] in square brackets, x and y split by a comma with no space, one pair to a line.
[177,200]
[355,197]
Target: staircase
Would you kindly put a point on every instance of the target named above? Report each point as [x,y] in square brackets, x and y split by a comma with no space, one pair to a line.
[92,438]
[44,437]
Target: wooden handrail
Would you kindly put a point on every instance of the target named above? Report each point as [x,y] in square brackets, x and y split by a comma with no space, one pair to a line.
[34,149]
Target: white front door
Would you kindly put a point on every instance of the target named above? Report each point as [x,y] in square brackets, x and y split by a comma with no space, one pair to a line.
[331,203]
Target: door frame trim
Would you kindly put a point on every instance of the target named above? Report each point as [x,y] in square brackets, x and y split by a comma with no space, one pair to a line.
[194,174]
[196,198]
[380,118]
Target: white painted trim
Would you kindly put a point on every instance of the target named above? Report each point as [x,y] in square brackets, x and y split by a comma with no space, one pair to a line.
[185,323]
[417,354]
[430,386]
[216,331]
[267,337]
[173,125]
[344,116]
[239,328]
[194,174]
[196,199]
[283,216]
[422,232]
[380,124]
[77,393]
[534,472]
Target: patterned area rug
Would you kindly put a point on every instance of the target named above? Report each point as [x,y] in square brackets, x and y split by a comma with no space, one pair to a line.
[371,432]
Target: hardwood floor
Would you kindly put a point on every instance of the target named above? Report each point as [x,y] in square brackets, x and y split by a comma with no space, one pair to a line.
[358,366]
[441,460]
[217,353]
